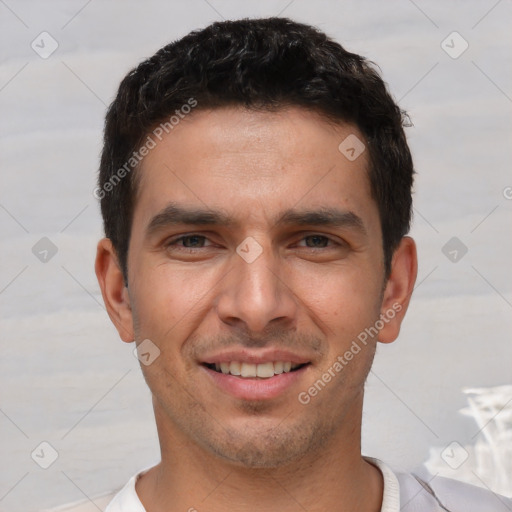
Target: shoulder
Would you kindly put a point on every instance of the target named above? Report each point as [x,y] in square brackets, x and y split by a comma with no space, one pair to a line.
[418,493]
[127,500]
[423,492]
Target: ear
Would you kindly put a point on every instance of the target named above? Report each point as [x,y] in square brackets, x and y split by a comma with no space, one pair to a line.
[113,289]
[399,288]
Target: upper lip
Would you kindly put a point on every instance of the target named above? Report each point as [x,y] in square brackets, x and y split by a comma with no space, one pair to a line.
[255,357]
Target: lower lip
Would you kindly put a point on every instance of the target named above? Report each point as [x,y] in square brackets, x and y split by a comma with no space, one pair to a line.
[248,388]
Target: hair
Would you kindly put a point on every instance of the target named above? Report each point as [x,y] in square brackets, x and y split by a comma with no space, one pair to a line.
[261,64]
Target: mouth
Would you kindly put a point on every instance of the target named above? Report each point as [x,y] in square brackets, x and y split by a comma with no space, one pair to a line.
[262,381]
[265,370]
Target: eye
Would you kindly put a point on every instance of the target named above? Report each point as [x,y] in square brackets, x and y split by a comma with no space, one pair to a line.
[188,242]
[316,241]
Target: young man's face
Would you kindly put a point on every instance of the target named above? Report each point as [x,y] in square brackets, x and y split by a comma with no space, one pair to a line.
[271,282]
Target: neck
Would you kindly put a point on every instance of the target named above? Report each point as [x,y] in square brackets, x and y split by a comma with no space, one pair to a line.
[191,478]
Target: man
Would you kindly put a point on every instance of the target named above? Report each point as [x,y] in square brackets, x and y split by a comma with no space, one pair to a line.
[255,186]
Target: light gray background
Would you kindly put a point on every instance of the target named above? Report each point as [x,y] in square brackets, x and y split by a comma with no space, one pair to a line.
[67,379]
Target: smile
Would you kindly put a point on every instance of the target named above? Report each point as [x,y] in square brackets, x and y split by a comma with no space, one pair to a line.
[250,370]
[256,381]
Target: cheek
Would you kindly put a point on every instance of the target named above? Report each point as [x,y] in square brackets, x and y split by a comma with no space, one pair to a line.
[344,300]
[168,299]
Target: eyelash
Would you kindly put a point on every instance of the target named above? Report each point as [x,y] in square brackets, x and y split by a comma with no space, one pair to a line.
[174,242]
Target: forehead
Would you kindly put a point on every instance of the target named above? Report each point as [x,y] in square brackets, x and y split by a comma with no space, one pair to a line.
[252,165]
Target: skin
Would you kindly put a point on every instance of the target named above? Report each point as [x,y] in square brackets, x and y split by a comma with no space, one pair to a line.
[309,294]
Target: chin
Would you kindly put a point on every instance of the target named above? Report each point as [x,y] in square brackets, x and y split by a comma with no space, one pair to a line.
[255,447]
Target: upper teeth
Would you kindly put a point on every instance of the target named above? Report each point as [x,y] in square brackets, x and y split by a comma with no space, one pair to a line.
[264,370]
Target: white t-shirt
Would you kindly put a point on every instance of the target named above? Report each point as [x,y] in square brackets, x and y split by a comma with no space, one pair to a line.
[403,492]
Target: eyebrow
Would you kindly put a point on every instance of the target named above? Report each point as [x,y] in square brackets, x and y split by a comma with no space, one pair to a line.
[329,217]
[174,214]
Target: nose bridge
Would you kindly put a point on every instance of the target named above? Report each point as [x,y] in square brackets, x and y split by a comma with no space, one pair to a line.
[259,280]
[254,292]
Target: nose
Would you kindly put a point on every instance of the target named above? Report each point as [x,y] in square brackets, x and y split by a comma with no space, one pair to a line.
[255,295]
